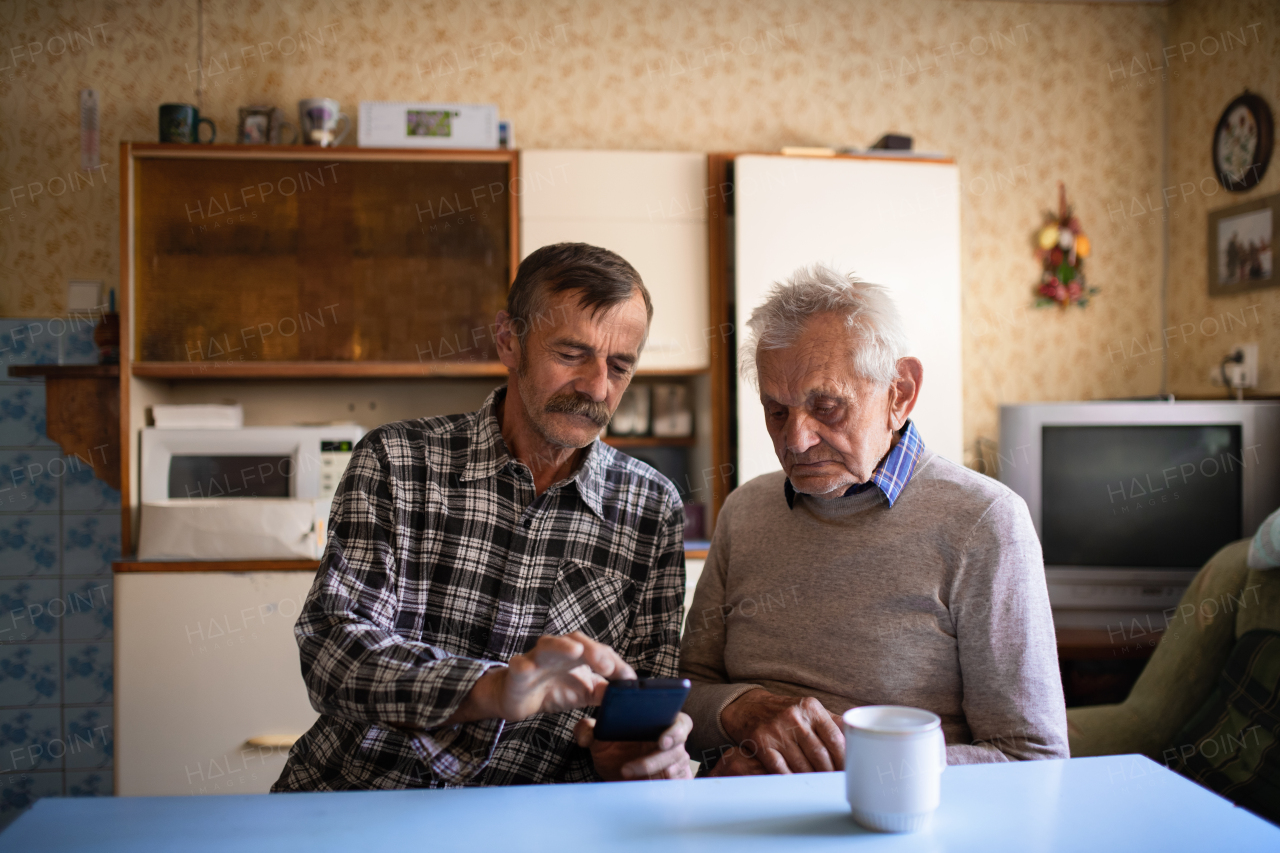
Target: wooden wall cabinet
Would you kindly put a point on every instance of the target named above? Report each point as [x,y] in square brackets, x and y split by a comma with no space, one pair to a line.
[254,261]
[280,263]
[295,261]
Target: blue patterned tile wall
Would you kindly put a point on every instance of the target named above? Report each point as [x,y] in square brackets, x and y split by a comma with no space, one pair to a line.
[59,532]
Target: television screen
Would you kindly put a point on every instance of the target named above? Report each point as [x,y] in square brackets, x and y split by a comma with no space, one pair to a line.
[1141,496]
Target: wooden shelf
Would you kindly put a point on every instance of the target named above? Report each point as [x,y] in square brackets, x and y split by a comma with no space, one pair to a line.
[215,566]
[234,151]
[82,412]
[66,371]
[648,441]
[318,369]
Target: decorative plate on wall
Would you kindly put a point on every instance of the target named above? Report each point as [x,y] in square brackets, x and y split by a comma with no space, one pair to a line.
[1242,142]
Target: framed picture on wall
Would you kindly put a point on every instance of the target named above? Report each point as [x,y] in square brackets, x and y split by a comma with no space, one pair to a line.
[1241,241]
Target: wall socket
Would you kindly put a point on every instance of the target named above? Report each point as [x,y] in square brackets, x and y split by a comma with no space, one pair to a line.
[84,296]
[1242,374]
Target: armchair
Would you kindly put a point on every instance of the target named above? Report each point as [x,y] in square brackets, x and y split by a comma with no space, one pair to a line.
[1184,692]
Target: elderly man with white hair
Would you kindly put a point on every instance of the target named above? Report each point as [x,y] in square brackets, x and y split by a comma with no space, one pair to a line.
[869,571]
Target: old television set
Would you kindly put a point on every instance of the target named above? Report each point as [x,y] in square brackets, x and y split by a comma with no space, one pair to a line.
[1130,499]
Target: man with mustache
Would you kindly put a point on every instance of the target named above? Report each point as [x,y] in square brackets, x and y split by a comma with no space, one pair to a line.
[487,573]
[869,571]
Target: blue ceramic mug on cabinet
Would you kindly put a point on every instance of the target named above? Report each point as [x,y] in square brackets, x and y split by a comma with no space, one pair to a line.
[181,123]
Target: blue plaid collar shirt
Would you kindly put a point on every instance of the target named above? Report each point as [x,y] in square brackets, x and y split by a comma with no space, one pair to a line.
[891,475]
[442,563]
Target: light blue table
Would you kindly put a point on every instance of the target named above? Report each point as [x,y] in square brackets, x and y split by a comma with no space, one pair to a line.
[1117,803]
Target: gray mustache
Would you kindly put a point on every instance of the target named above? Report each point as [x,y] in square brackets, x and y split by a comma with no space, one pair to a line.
[577,404]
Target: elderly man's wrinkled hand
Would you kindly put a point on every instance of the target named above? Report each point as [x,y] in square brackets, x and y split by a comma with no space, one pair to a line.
[785,734]
[737,762]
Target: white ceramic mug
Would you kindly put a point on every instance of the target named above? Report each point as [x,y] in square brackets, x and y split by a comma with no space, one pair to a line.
[319,118]
[893,759]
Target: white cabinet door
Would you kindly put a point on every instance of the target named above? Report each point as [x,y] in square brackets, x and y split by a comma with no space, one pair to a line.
[649,207]
[204,662]
[892,222]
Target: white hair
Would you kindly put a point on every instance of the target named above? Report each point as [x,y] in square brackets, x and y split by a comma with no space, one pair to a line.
[876,334]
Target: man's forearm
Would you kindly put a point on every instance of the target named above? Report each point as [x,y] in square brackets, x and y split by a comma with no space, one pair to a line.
[360,672]
[482,701]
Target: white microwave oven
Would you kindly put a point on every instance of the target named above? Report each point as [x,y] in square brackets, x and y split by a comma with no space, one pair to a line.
[251,493]
[249,462]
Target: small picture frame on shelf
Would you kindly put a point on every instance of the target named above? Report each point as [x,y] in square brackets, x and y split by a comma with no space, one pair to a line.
[632,415]
[262,125]
[672,410]
[1241,243]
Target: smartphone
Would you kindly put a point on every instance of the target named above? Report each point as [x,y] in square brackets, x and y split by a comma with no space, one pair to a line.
[640,710]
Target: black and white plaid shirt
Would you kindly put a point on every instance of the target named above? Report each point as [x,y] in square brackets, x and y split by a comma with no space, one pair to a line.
[442,563]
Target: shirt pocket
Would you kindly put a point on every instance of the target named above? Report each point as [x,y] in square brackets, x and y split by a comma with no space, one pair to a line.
[595,601]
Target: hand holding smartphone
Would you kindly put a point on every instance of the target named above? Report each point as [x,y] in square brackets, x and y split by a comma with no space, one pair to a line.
[640,710]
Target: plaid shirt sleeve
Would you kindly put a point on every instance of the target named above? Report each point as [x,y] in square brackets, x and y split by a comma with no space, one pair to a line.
[355,664]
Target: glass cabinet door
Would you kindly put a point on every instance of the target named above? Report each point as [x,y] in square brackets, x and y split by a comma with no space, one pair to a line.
[334,260]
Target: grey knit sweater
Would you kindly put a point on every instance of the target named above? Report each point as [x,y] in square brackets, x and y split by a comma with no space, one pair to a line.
[937,602]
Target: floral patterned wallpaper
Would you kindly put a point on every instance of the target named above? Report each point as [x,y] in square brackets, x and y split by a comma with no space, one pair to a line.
[1022,94]
[1228,47]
